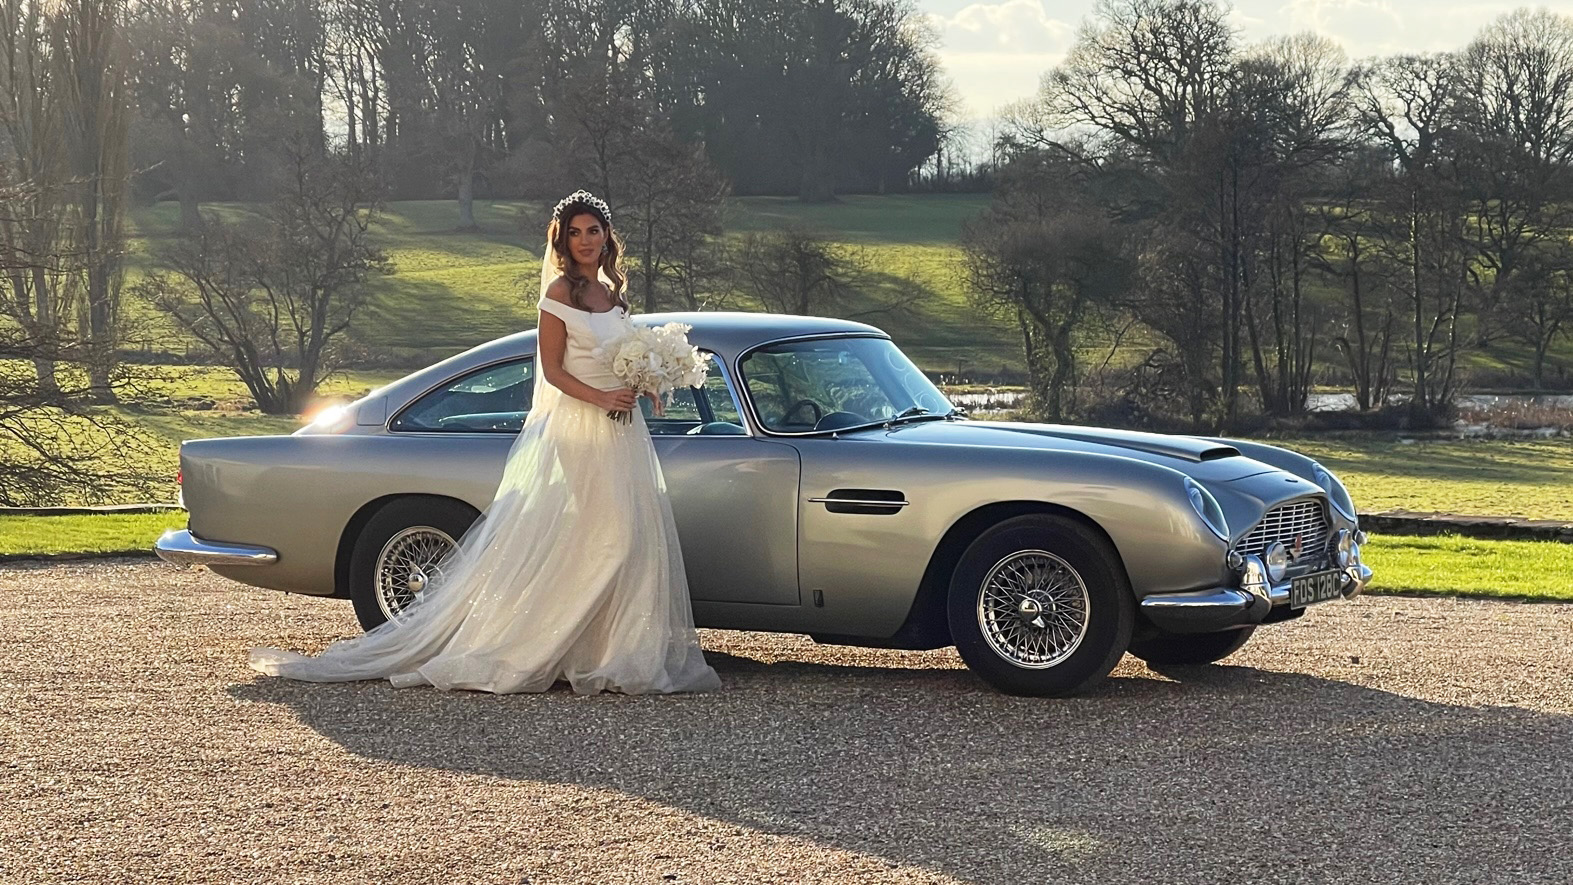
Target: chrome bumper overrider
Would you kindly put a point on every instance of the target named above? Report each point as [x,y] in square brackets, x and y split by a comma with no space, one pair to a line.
[1220,608]
[181,547]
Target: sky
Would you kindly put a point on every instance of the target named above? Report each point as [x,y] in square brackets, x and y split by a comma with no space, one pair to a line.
[995,51]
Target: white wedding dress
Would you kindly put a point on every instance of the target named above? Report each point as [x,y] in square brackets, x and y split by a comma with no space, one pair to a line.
[573,573]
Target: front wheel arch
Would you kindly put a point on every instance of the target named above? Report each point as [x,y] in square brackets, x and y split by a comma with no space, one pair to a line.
[357,524]
[927,624]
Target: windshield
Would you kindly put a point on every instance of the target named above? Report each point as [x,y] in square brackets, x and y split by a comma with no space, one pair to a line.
[836,383]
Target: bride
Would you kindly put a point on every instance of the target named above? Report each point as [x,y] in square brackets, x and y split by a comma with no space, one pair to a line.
[574,572]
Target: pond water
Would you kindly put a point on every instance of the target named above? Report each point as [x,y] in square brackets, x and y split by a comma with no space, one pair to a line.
[1345,402]
[984,402]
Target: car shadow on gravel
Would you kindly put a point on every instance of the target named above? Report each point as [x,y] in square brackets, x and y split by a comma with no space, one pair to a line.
[1178,777]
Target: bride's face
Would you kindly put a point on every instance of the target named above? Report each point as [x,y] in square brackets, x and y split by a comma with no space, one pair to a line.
[586,238]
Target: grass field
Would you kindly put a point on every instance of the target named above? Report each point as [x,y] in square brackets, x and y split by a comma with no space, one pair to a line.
[452,290]
[91,533]
[1447,565]
[1532,478]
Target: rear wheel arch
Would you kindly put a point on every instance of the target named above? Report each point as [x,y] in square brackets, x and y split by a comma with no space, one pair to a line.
[357,524]
[926,624]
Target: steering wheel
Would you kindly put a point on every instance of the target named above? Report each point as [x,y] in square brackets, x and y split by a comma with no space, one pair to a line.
[818,413]
[838,420]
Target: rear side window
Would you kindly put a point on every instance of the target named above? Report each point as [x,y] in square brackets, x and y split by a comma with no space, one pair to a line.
[491,400]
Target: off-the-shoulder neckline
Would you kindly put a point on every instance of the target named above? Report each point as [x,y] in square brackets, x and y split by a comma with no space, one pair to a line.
[582,310]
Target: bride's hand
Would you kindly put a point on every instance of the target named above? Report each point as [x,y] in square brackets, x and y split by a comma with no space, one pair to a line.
[620,400]
[657,406]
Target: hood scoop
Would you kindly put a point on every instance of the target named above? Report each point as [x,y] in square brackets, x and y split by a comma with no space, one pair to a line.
[1189,448]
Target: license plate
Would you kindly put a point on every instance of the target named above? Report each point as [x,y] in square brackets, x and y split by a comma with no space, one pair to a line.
[1320,587]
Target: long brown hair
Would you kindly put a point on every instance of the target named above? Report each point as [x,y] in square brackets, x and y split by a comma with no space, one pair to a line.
[562,259]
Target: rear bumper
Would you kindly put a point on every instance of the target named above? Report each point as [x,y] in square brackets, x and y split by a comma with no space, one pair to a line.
[1221,608]
[181,547]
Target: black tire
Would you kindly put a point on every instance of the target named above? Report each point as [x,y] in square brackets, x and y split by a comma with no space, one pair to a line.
[1108,618]
[1190,648]
[441,515]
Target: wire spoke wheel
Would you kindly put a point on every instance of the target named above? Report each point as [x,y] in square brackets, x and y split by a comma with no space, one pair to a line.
[410,563]
[1032,609]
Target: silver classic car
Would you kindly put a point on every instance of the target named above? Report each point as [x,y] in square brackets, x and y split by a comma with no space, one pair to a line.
[821,485]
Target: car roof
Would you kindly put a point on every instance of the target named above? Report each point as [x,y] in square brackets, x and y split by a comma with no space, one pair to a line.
[727,333]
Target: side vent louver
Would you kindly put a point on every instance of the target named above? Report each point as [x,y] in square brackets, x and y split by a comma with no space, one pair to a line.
[871,502]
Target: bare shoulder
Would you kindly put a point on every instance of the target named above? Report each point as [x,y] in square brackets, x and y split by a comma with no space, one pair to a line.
[559,289]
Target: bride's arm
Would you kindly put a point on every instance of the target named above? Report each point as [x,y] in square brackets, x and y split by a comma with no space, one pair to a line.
[553,334]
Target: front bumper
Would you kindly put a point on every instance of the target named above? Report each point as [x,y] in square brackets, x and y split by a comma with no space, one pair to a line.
[181,547]
[1222,608]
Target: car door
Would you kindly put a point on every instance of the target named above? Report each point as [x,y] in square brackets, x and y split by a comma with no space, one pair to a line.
[734,498]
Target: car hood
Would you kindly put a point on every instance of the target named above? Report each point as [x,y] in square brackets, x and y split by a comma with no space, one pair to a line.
[1201,458]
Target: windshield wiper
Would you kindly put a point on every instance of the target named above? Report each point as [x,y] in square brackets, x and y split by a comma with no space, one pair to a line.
[916,412]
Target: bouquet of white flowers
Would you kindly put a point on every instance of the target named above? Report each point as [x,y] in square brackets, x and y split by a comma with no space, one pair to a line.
[655,360]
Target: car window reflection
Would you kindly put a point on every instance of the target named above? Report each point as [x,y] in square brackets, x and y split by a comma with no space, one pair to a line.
[494,399]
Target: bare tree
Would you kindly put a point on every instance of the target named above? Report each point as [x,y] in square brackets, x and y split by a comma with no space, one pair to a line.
[1144,73]
[52,450]
[1347,255]
[33,196]
[1048,256]
[794,270]
[670,204]
[1407,106]
[1297,94]
[1515,132]
[92,73]
[1538,307]
[182,120]
[1157,85]
[275,296]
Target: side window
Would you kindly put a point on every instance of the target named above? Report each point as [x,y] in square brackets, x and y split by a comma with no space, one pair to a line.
[490,400]
[681,414]
[705,410]
[719,398]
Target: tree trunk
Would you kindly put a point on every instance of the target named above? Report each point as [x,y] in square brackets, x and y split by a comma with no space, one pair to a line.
[100,296]
[817,185]
[1360,358]
[190,210]
[1419,401]
[48,385]
[467,196]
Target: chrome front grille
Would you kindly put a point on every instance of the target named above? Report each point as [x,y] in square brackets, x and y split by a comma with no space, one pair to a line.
[1305,520]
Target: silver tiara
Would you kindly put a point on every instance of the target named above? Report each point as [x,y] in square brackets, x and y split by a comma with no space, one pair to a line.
[583,197]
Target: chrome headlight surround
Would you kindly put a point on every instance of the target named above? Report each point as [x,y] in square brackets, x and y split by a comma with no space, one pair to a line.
[1345,551]
[1336,493]
[1276,560]
[1207,508]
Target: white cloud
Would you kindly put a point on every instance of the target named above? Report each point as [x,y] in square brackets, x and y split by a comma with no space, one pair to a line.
[1337,18]
[995,53]
[1382,27]
[1015,26]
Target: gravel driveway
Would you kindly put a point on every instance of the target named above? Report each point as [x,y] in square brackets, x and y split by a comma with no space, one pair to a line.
[1385,740]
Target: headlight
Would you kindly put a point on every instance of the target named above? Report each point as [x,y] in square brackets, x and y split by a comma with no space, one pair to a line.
[1207,508]
[1276,558]
[1335,491]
